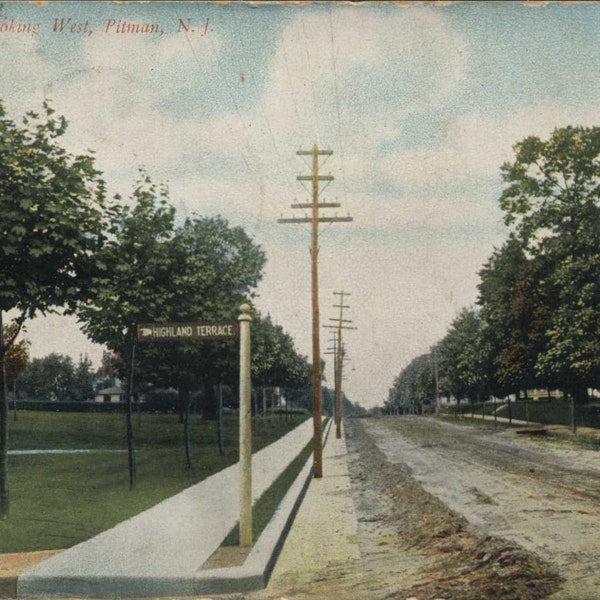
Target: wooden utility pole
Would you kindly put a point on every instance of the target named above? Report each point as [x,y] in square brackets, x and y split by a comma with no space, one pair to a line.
[437,381]
[339,360]
[315,219]
[334,349]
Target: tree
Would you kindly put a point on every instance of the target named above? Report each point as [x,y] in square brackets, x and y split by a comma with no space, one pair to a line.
[16,361]
[552,201]
[415,385]
[55,378]
[131,282]
[216,267]
[353,408]
[275,361]
[49,378]
[51,222]
[83,379]
[514,317]
[552,186]
[106,374]
[463,360]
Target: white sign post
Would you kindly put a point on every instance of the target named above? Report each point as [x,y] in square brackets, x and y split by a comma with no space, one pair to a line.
[245,429]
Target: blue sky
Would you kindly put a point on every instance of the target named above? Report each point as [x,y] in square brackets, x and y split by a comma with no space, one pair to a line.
[420,104]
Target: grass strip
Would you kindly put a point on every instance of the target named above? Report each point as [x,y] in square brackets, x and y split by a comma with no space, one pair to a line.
[267,504]
[588,439]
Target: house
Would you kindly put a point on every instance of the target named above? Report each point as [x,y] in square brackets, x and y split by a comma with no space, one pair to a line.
[110,394]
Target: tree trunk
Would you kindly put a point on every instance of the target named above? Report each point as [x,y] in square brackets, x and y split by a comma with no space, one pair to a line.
[509,411]
[185,401]
[579,396]
[220,415]
[138,410]
[4,495]
[181,409]
[129,417]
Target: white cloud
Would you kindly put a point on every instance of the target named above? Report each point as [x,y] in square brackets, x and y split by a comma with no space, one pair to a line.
[115,100]
[20,56]
[476,145]
[356,72]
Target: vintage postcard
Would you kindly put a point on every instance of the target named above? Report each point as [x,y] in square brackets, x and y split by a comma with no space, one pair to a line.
[355,172]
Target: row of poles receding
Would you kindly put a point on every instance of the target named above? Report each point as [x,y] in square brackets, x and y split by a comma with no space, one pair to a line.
[314,219]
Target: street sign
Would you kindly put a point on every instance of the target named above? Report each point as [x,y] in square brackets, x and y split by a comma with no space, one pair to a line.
[177,332]
[231,330]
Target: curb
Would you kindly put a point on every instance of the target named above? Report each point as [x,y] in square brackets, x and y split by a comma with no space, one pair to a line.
[254,574]
[257,568]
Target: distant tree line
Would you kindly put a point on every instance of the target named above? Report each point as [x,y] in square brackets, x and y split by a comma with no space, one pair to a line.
[349,408]
[537,319]
[57,378]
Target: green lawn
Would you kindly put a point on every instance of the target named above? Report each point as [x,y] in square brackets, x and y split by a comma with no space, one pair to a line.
[59,500]
[555,411]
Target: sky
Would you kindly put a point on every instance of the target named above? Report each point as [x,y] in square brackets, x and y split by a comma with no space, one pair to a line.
[420,104]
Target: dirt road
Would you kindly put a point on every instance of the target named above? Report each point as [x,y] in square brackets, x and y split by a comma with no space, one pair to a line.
[528,491]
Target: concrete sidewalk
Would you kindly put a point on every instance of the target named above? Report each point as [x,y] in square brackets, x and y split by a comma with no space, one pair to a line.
[324,533]
[160,551]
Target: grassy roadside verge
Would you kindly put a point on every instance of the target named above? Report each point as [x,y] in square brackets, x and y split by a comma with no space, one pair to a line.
[265,506]
[58,500]
[548,411]
[585,437]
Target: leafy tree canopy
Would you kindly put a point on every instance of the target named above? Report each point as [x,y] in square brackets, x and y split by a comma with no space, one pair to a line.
[132,272]
[275,360]
[553,201]
[553,186]
[51,214]
[415,384]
